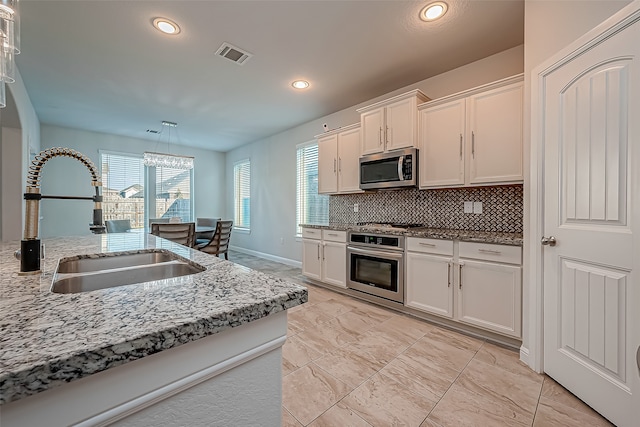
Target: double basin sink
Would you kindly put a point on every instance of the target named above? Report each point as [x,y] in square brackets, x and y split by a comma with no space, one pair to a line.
[118,269]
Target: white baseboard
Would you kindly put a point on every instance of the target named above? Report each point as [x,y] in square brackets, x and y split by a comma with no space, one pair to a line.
[269,257]
[524,356]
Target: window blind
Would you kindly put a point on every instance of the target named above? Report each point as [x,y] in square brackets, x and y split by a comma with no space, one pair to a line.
[242,194]
[123,187]
[311,207]
[173,193]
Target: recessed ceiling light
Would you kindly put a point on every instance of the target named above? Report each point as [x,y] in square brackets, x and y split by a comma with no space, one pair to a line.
[300,84]
[433,11]
[166,26]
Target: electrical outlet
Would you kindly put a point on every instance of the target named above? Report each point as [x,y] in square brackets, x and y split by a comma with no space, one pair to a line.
[468,207]
[477,207]
[355,207]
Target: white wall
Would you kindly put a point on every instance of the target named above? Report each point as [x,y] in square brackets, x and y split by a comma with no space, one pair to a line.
[15,161]
[273,161]
[549,27]
[68,177]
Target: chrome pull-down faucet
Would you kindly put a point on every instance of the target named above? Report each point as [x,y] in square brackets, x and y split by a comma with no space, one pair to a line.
[30,244]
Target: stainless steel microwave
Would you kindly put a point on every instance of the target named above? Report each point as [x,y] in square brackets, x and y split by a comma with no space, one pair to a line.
[397,168]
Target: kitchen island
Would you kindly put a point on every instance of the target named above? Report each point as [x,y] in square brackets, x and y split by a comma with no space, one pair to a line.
[202,349]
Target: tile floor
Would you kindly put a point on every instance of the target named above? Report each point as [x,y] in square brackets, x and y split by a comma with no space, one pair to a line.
[350,363]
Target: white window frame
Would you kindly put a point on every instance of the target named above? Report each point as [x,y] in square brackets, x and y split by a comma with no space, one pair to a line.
[237,224]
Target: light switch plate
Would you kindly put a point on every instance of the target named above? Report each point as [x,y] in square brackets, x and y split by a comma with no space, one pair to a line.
[477,207]
[468,207]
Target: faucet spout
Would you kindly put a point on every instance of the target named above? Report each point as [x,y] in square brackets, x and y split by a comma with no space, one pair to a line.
[30,245]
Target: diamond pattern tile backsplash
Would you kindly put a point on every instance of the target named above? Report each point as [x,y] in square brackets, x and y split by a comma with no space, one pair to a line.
[502,208]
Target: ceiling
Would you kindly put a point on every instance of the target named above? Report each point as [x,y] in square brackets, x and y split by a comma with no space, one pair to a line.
[99,65]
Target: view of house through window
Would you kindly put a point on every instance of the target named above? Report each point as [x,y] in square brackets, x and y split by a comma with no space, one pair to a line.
[125,195]
[242,194]
[311,207]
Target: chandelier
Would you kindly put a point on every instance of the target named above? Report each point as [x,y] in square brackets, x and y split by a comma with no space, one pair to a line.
[167,160]
[9,44]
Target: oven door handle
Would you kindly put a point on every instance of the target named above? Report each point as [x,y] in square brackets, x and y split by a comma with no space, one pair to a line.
[400,163]
[377,253]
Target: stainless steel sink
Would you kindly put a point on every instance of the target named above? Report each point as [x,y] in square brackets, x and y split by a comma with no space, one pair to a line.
[90,274]
[85,265]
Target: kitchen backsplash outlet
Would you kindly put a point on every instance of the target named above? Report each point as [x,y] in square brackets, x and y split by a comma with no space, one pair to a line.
[502,208]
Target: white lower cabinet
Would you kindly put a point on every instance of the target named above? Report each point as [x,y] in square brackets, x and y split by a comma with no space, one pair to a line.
[429,275]
[334,263]
[324,256]
[429,283]
[311,260]
[473,283]
[489,296]
[490,287]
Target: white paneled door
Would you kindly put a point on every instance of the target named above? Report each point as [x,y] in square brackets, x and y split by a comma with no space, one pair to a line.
[591,131]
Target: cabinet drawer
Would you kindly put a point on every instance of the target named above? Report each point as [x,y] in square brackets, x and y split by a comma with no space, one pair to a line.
[490,252]
[311,233]
[334,236]
[432,246]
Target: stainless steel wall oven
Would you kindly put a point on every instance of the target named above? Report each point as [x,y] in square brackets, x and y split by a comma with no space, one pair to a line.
[376,265]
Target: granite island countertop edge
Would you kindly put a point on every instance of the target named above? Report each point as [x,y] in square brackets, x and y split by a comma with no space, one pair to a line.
[51,339]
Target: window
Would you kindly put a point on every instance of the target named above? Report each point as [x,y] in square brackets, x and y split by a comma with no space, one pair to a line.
[311,207]
[173,189]
[123,187]
[128,190]
[242,194]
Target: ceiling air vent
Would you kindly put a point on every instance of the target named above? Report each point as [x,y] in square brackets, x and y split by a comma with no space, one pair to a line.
[234,54]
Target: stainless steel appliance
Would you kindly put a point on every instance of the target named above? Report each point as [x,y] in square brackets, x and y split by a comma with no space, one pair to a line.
[397,168]
[376,264]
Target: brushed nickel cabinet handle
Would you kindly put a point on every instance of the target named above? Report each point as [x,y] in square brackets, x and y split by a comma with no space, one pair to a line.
[473,145]
[431,245]
[448,275]
[460,146]
[460,284]
[380,136]
[339,164]
[489,251]
[386,135]
[318,250]
[334,165]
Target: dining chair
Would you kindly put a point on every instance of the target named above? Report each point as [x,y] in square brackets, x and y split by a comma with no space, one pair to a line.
[219,243]
[118,225]
[205,236]
[158,220]
[183,233]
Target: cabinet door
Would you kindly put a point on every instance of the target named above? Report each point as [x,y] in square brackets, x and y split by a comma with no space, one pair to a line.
[348,161]
[311,261]
[441,145]
[490,296]
[401,124]
[494,130]
[334,263]
[372,126]
[328,164]
[429,284]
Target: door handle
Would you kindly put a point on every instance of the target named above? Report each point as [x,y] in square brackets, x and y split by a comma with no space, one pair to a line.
[548,241]
[334,165]
[323,252]
[400,163]
[460,281]
[460,146]
[339,164]
[386,135]
[448,275]
[380,136]
[318,250]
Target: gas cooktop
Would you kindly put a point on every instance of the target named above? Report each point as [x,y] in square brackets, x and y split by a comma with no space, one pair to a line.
[402,225]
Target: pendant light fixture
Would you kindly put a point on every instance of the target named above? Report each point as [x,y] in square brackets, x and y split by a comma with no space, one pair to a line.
[167,160]
[9,44]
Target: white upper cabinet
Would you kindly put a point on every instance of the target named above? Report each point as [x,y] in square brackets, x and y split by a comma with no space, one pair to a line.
[338,161]
[474,137]
[442,129]
[391,124]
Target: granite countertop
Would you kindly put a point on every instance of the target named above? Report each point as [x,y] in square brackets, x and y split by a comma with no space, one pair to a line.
[48,339]
[513,239]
